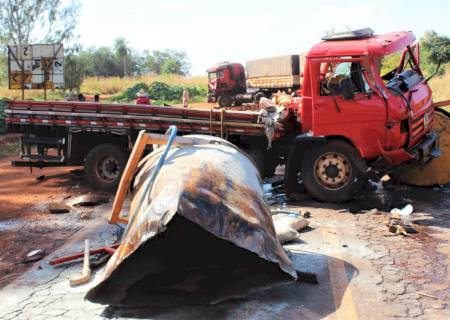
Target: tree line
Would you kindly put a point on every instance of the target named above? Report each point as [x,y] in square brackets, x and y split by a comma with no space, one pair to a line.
[120,60]
[54,21]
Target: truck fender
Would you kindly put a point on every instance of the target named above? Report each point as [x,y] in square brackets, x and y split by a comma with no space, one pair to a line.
[301,144]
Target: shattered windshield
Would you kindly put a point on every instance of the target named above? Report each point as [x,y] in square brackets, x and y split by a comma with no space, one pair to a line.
[393,64]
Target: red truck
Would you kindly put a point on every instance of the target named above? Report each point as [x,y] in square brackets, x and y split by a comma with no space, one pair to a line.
[349,118]
[229,83]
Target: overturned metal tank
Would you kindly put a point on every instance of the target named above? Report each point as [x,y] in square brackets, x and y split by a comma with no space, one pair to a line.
[203,233]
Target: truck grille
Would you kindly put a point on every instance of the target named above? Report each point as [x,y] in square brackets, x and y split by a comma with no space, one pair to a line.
[421,124]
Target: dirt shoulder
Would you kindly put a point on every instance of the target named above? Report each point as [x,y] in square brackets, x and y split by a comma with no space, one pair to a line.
[25,222]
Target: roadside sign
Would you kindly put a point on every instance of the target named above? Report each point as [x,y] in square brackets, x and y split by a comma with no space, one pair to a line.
[36,66]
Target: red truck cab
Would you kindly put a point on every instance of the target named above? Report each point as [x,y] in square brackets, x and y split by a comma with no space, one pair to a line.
[224,80]
[351,114]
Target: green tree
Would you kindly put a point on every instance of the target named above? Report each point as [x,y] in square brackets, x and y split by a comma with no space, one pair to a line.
[435,50]
[438,47]
[75,69]
[21,19]
[167,61]
[122,53]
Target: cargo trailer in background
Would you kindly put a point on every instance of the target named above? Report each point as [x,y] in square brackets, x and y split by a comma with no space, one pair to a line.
[231,84]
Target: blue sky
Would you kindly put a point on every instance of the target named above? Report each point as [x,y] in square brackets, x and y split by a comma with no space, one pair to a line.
[213,31]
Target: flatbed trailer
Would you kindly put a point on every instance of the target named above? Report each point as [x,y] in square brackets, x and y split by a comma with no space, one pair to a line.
[71,133]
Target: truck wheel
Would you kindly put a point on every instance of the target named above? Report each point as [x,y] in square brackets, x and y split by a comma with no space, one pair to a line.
[330,173]
[104,166]
[224,101]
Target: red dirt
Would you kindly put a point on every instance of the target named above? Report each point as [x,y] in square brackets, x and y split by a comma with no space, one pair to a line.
[25,223]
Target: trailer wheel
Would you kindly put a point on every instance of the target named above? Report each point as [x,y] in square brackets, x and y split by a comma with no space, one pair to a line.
[104,166]
[330,172]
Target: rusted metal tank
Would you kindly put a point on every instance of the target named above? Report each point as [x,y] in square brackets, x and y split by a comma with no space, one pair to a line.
[202,234]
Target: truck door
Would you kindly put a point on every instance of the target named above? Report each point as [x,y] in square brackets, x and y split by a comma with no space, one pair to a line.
[361,118]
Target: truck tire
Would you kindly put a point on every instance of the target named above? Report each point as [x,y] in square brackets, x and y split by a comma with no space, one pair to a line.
[224,101]
[330,172]
[104,165]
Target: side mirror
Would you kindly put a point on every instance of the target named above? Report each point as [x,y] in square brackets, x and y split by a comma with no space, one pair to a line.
[346,88]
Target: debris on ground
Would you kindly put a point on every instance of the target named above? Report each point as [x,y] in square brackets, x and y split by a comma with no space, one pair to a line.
[88,200]
[86,271]
[58,208]
[34,255]
[403,214]
[287,224]
[199,232]
[398,220]
[306,214]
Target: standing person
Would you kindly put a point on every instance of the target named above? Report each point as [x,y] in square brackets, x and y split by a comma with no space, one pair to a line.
[142,97]
[81,97]
[185,98]
[96,98]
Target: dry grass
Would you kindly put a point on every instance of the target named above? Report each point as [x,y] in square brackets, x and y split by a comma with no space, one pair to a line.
[441,87]
[30,94]
[114,85]
[106,86]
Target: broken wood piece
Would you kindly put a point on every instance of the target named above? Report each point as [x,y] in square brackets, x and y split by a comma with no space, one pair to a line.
[86,272]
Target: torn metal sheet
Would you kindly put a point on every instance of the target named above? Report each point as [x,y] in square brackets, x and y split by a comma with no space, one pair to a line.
[203,234]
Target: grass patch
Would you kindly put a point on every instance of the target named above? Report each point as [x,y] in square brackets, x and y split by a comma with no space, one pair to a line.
[111,86]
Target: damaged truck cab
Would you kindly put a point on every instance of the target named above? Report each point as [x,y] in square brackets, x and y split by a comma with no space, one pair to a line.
[351,114]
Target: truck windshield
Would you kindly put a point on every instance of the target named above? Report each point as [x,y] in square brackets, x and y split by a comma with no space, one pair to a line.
[392,65]
[212,75]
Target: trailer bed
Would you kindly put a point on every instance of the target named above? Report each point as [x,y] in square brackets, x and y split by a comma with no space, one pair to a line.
[99,116]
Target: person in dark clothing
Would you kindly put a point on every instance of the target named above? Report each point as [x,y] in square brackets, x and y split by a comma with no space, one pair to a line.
[97,98]
[81,97]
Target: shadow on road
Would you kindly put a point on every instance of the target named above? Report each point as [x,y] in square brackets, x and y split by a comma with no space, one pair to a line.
[287,301]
